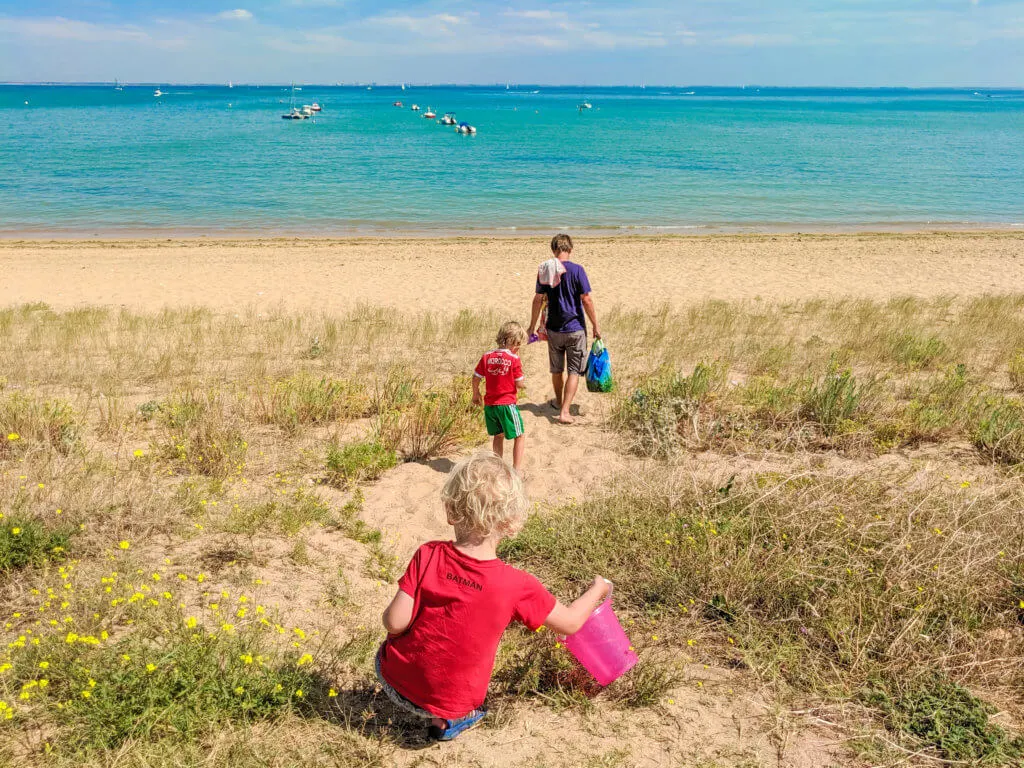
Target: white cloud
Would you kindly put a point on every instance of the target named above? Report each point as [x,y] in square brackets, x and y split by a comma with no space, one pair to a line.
[238,14]
[754,40]
[542,15]
[59,28]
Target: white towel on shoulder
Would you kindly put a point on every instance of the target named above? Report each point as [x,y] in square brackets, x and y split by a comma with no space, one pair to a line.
[550,272]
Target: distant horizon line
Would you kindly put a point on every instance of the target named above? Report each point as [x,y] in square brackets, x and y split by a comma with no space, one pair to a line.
[339,84]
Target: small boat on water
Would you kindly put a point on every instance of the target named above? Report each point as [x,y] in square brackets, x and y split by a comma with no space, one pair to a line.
[448,119]
[465,128]
[415,107]
[158,92]
[397,104]
[429,114]
[586,105]
[315,106]
[296,114]
[307,110]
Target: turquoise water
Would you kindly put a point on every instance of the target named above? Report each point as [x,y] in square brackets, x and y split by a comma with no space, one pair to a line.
[85,159]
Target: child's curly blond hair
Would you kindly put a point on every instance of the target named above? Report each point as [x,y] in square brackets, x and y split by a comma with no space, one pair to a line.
[511,334]
[483,495]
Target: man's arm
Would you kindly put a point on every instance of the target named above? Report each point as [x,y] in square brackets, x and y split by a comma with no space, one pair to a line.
[477,398]
[588,307]
[538,305]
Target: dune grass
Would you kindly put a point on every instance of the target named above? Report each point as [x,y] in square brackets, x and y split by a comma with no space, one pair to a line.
[852,588]
[220,435]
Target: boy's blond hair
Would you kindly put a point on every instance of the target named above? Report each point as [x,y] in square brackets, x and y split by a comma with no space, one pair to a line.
[484,495]
[511,334]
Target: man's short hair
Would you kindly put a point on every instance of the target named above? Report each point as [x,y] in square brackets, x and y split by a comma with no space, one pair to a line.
[561,244]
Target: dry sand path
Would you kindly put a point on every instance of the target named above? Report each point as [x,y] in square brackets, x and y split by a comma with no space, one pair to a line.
[450,274]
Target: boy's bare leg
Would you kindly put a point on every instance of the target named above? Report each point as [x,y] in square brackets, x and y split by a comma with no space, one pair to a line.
[558,382]
[572,382]
[498,445]
[518,446]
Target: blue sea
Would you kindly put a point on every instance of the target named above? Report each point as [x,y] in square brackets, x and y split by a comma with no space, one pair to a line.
[92,160]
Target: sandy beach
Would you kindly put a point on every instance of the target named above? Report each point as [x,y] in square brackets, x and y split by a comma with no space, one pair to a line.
[449,274]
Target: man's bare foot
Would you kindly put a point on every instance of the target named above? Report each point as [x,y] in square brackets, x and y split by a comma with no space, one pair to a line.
[553,402]
[564,418]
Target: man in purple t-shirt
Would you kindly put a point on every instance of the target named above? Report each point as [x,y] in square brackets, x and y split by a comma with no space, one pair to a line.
[569,306]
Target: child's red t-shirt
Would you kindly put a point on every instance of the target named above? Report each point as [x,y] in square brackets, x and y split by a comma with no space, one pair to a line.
[443,662]
[500,370]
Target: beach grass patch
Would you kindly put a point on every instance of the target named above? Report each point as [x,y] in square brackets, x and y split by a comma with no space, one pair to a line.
[28,422]
[362,461]
[304,399]
[822,581]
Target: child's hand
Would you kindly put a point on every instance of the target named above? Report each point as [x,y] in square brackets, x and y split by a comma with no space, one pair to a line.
[602,585]
[477,400]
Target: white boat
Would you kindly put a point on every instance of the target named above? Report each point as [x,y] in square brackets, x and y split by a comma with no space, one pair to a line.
[403,86]
[448,119]
[158,92]
[230,85]
[315,106]
[586,105]
[307,110]
[465,128]
[415,107]
[117,85]
[396,104]
[294,113]
[429,114]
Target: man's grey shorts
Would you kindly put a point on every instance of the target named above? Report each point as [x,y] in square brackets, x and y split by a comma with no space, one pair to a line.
[567,350]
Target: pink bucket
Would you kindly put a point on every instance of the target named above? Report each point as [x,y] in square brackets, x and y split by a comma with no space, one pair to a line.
[601,645]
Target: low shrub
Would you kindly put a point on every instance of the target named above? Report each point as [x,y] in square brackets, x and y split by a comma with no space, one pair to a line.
[663,412]
[128,663]
[935,714]
[27,422]
[199,436]
[999,432]
[25,541]
[358,462]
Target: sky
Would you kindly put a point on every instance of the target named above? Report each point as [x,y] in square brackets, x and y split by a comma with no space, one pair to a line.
[915,43]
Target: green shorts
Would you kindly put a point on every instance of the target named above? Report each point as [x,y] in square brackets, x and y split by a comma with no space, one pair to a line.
[503,420]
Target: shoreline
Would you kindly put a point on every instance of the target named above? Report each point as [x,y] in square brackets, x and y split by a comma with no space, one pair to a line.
[392,233]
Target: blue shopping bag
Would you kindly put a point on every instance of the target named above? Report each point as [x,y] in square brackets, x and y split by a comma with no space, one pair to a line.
[599,368]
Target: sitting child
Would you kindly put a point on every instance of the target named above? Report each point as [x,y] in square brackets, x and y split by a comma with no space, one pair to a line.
[456,599]
[501,370]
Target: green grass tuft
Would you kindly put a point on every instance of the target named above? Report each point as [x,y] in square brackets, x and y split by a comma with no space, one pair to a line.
[361,461]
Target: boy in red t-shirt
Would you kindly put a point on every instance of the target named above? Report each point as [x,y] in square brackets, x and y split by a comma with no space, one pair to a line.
[502,371]
[456,599]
